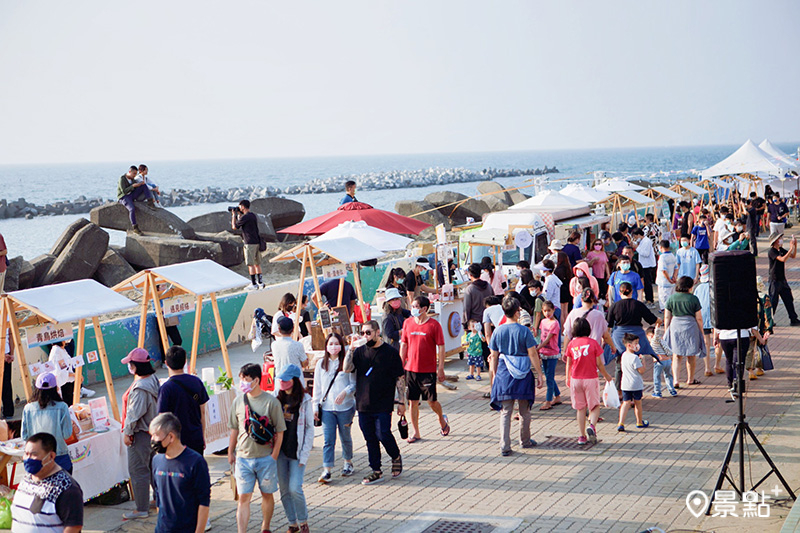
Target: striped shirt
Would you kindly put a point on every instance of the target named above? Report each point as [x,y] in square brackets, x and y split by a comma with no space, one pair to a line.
[49,505]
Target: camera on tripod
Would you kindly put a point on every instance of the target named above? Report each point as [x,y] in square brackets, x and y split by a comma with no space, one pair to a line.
[234,209]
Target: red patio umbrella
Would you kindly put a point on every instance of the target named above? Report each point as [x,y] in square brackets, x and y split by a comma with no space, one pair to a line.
[377,218]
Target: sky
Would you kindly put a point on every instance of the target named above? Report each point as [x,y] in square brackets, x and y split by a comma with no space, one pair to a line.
[150,80]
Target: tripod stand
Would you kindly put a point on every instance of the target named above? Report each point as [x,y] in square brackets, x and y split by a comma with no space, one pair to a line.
[740,432]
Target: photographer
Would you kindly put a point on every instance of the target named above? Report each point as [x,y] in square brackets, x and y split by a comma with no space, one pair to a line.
[243,219]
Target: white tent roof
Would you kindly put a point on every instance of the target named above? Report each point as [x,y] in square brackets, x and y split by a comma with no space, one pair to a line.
[503,219]
[692,187]
[636,197]
[665,192]
[750,159]
[584,193]
[773,151]
[550,201]
[717,183]
[617,185]
[73,301]
[374,237]
[347,249]
[202,277]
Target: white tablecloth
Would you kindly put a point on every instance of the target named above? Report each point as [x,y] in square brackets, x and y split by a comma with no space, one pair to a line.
[99,461]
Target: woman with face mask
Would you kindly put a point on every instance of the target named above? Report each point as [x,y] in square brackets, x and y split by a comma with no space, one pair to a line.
[295,447]
[396,280]
[334,406]
[393,317]
[48,413]
[139,407]
[598,260]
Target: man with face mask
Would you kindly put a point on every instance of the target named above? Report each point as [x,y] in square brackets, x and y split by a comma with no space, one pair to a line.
[180,476]
[778,214]
[422,353]
[380,385]
[624,274]
[778,286]
[254,462]
[47,499]
[689,260]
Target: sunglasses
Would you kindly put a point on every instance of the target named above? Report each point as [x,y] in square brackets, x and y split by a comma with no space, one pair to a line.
[366,332]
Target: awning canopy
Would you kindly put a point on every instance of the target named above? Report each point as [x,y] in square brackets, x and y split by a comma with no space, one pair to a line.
[691,187]
[584,193]
[551,200]
[341,250]
[195,277]
[658,190]
[632,197]
[71,301]
[378,218]
[375,237]
[749,158]
[617,185]
[716,183]
[585,221]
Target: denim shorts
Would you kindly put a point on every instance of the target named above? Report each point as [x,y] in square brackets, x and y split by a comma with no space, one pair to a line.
[631,395]
[263,469]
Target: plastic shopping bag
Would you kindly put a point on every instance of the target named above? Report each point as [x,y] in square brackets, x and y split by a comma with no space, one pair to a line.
[255,334]
[611,396]
[5,514]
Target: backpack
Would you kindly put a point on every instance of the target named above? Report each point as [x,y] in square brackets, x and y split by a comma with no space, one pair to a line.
[257,427]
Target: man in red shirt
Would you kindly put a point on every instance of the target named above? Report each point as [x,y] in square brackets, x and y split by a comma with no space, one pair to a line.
[421,344]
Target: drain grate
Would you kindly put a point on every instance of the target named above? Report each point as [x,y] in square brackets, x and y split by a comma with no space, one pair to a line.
[454,526]
[566,443]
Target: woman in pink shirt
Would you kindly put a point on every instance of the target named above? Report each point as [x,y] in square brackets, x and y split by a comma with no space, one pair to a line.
[494,278]
[598,260]
[549,353]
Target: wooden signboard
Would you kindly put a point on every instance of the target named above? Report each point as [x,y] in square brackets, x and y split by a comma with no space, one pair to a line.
[340,321]
[325,318]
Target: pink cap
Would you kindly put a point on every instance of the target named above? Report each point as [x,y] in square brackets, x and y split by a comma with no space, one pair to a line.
[137,355]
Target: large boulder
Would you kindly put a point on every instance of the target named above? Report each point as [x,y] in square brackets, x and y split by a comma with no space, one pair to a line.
[27,273]
[282,211]
[113,269]
[496,191]
[113,215]
[266,229]
[518,197]
[12,274]
[232,246]
[148,251]
[447,201]
[67,235]
[211,222]
[409,208]
[494,203]
[80,257]
[41,265]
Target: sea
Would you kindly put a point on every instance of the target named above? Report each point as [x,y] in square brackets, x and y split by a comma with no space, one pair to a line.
[41,184]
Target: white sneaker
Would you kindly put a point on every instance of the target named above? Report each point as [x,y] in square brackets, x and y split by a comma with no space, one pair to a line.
[263,285]
[252,288]
[87,393]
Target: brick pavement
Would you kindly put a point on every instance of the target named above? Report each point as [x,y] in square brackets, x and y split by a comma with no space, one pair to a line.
[629,482]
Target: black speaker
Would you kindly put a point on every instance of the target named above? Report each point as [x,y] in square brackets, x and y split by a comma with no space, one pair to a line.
[734,296]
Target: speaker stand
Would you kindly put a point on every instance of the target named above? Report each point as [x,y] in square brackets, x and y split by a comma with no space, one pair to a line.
[740,432]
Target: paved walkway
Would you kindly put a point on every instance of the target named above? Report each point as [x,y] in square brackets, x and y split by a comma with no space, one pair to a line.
[628,482]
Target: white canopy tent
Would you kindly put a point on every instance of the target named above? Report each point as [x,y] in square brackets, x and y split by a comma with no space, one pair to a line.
[661,191]
[60,304]
[617,185]
[773,151]
[584,193]
[559,205]
[373,237]
[748,159]
[196,279]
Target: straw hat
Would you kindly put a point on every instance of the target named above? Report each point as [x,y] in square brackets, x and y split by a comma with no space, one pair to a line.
[774,237]
[556,244]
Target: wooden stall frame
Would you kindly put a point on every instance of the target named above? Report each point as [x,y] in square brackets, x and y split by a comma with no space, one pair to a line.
[149,282]
[9,309]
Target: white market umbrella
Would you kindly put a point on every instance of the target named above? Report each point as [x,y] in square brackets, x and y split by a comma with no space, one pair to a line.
[371,236]
[550,200]
[617,185]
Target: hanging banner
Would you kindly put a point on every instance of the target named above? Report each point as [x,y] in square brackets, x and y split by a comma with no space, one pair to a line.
[177,305]
[336,270]
[45,334]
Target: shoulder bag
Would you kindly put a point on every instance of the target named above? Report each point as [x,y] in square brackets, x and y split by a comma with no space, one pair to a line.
[318,421]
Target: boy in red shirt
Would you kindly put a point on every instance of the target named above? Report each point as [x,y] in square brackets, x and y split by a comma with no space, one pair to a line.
[421,344]
[584,359]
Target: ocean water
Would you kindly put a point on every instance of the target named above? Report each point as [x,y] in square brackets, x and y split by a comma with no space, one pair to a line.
[41,184]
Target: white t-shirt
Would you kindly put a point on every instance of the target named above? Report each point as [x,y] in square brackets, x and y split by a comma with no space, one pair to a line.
[647,256]
[552,289]
[285,352]
[669,263]
[275,318]
[493,314]
[730,334]
[631,378]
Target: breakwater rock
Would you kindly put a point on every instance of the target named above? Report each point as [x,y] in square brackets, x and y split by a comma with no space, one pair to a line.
[371,181]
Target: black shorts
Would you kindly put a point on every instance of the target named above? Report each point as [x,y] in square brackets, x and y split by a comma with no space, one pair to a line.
[421,385]
[631,395]
[707,331]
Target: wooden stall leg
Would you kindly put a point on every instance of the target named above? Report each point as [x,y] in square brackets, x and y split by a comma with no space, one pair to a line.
[357,279]
[223,342]
[101,348]
[198,315]
[79,348]
[143,314]
[20,355]
[3,333]
[301,285]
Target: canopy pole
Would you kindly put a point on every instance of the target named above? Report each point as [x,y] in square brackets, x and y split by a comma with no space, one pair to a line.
[223,342]
[162,327]
[3,330]
[101,347]
[198,314]
[23,363]
[341,292]
[296,331]
[317,292]
[143,314]
[358,291]
[76,393]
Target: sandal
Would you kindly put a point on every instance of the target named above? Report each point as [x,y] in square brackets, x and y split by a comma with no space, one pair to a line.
[719,371]
[412,440]
[557,402]
[695,382]
[397,466]
[445,431]
[709,374]
[546,406]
